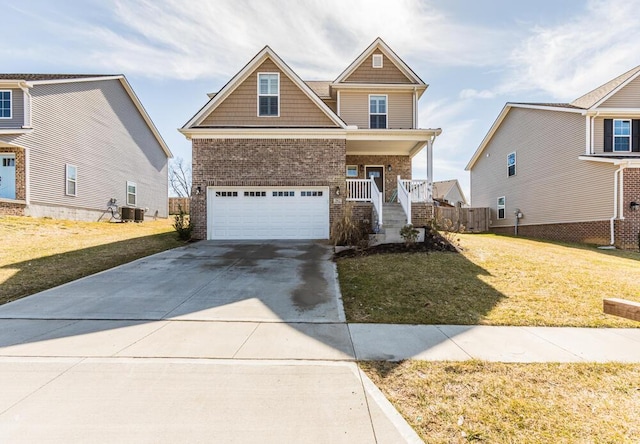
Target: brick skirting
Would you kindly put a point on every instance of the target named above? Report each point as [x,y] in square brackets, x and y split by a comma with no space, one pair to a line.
[597,232]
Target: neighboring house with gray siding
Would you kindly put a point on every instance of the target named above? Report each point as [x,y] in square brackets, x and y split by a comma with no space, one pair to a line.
[570,171]
[449,192]
[69,144]
[275,157]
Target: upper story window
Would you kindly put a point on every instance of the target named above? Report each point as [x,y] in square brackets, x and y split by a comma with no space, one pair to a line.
[511,164]
[268,94]
[72,180]
[377,111]
[501,207]
[377,61]
[622,135]
[5,104]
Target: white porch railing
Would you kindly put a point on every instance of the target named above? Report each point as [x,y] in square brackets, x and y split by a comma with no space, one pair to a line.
[404,197]
[366,190]
[377,199]
[417,189]
[359,190]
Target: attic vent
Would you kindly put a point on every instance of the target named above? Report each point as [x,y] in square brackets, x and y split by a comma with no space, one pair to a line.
[377,60]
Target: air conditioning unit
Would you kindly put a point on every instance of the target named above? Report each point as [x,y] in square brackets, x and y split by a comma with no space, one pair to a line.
[127,214]
[139,215]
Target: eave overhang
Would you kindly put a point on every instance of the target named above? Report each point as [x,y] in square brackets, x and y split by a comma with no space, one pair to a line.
[389,142]
[633,162]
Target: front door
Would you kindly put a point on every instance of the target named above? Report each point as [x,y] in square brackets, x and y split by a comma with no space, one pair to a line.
[378,176]
[7,176]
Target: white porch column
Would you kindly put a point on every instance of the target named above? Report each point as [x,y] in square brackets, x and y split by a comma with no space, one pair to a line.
[430,170]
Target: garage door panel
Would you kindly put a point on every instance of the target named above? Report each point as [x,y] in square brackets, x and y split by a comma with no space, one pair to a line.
[268,213]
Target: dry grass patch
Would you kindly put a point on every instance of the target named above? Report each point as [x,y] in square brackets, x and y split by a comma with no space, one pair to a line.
[496,280]
[41,253]
[449,402]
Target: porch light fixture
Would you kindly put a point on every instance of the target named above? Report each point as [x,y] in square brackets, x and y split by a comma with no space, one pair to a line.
[634,206]
[337,190]
[389,168]
[198,191]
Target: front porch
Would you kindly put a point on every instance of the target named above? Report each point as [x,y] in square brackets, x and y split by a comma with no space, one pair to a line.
[407,202]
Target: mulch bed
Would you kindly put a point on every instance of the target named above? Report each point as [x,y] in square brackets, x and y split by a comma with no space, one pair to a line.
[433,241]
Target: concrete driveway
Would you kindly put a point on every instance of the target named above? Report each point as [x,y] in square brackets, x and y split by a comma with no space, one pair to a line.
[213,342]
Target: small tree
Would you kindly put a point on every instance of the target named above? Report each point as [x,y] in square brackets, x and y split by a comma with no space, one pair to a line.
[183,225]
[180,177]
[409,234]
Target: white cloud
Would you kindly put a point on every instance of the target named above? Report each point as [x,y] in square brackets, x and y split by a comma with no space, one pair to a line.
[571,58]
[205,39]
[475,94]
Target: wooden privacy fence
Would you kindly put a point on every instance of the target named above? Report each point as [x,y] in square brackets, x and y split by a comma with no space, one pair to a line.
[474,220]
[175,203]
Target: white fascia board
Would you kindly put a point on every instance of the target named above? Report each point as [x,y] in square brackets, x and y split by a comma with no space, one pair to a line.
[145,115]
[76,80]
[263,133]
[15,84]
[380,86]
[237,80]
[631,163]
[615,90]
[547,108]
[393,134]
[15,131]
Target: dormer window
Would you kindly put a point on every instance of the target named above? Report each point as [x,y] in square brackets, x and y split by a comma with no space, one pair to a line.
[377,111]
[377,61]
[268,94]
[5,104]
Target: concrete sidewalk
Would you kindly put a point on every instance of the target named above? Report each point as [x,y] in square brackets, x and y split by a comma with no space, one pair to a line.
[497,344]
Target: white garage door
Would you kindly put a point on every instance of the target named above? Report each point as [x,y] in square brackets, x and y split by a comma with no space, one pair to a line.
[267,213]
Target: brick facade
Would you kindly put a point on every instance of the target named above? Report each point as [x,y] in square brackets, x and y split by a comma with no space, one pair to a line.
[8,207]
[596,232]
[628,230]
[266,162]
[400,166]
[421,214]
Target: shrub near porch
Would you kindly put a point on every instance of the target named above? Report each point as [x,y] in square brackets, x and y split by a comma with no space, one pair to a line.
[496,280]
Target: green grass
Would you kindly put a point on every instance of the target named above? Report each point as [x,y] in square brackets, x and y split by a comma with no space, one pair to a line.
[496,280]
[42,253]
[447,402]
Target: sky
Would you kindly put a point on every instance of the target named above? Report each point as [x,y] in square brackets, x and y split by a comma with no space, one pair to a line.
[474,55]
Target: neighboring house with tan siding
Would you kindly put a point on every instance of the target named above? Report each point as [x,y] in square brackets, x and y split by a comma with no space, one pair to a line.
[69,144]
[571,171]
[275,157]
[449,192]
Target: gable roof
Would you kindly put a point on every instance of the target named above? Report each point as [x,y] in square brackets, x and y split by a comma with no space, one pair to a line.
[443,187]
[603,92]
[45,79]
[264,54]
[379,44]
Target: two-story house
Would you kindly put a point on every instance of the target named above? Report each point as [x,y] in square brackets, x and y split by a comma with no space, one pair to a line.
[72,144]
[275,157]
[565,171]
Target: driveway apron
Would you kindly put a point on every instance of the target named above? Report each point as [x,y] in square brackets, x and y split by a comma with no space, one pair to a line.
[213,342]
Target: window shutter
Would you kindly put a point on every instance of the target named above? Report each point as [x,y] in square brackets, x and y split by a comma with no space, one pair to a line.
[635,136]
[608,135]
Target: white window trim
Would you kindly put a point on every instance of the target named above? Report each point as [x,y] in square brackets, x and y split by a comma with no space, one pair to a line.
[379,58]
[347,171]
[503,207]
[613,142]
[268,95]
[68,179]
[135,194]
[386,106]
[515,162]
[10,104]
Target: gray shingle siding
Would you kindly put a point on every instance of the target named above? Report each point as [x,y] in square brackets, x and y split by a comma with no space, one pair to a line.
[96,127]
[17,110]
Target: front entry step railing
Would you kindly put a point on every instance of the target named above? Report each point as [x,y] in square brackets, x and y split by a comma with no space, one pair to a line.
[407,191]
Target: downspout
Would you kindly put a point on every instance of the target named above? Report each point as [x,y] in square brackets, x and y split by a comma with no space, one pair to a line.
[615,205]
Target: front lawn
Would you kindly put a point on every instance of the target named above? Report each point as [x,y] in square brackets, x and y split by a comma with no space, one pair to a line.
[38,254]
[455,402]
[496,280]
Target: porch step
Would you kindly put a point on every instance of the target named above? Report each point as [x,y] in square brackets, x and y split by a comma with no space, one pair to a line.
[393,219]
